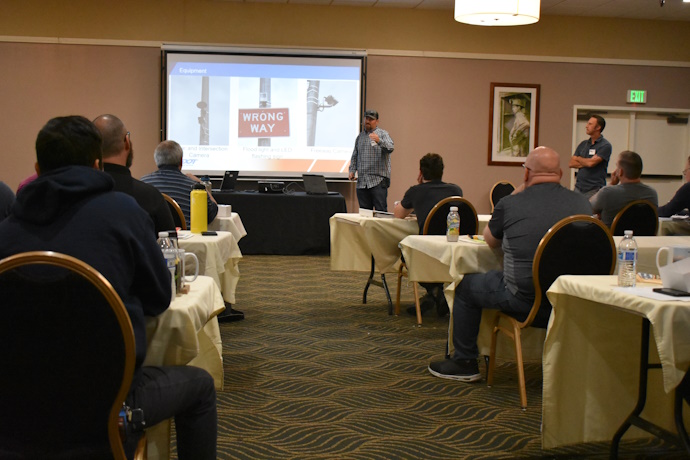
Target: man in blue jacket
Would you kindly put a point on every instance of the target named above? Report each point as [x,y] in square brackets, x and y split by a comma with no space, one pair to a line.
[71,208]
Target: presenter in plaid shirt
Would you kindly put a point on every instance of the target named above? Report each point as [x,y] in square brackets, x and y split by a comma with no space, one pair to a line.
[371,159]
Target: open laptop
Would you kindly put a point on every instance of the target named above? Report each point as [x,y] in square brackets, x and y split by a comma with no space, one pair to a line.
[315,184]
[229,180]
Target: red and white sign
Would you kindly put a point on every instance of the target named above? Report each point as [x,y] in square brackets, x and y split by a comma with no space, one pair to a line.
[263,123]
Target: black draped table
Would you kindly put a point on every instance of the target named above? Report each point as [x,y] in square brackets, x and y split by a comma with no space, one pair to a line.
[280,223]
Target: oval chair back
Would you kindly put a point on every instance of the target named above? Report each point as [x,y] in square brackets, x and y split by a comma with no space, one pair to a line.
[435,223]
[68,362]
[176,211]
[640,216]
[498,191]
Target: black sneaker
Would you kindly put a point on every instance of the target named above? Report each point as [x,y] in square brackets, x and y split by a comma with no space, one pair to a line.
[426,303]
[230,314]
[464,370]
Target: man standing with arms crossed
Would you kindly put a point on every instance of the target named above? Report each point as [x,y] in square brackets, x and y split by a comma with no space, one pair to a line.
[371,159]
[591,158]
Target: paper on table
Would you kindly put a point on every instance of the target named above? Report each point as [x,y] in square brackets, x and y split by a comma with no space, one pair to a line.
[648,293]
[476,239]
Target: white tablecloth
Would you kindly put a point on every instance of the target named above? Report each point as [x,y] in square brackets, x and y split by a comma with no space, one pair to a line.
[187,333]
[670,227]
[591,359]
[232,224]
[483,220]
[219,258]
[355,238]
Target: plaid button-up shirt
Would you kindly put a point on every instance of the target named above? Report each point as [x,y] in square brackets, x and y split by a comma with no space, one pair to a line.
[372,162]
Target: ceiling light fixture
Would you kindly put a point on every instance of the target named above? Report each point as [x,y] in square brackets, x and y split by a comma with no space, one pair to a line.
[497,12]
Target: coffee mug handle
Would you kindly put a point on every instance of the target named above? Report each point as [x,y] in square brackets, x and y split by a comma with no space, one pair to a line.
[196,267]
[658,256]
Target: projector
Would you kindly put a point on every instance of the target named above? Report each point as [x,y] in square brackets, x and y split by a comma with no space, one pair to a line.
[271,187]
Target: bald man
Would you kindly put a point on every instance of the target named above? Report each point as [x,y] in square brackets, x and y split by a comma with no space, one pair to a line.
[118,154]
[517,225]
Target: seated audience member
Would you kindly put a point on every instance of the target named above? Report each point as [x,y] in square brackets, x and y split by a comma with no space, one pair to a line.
[28,180]
[71,208]
[118,154]
[430,189]
[6,200]
[681,200]
[625,187]
[170,179]
[518,224]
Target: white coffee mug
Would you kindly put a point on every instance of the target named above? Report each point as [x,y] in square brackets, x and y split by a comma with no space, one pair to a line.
[673,254]
[181,278]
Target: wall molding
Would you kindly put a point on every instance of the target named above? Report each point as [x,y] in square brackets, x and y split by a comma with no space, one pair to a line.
[369,52]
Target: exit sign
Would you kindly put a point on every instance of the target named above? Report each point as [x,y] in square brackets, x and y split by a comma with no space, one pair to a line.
[637,96]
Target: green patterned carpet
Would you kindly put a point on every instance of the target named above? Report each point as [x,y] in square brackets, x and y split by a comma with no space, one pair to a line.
[312,373]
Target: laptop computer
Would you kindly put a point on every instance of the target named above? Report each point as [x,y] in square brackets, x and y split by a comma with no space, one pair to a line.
[229,180]
[315,184]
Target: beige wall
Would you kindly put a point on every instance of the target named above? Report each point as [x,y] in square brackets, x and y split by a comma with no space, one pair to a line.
[428,103]
[227,22]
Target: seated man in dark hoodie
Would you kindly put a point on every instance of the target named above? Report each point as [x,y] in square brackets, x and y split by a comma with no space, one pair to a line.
[71,208]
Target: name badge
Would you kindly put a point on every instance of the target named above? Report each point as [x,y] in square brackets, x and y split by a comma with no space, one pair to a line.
[592,152]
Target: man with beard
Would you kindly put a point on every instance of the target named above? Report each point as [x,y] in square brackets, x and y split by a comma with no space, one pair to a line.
[117,158]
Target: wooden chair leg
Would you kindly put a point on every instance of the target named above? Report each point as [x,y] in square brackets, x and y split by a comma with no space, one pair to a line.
[415,288]
[492,353]
[397,298]
[141,452]
[520,367]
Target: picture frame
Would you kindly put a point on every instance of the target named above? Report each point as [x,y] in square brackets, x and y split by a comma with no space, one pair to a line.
[513,123]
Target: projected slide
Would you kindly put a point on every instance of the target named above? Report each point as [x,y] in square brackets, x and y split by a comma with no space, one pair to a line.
[263,115]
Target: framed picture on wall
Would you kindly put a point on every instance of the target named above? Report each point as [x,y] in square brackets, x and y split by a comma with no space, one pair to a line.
[513,123]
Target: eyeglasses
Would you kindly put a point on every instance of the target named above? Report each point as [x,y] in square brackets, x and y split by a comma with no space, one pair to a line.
[526,167]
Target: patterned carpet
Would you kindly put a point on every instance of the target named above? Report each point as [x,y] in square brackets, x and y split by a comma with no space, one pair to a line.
[312,373]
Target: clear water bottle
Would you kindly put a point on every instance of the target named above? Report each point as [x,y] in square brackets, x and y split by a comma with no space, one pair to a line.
[453,229]
[170,255]
[627,260]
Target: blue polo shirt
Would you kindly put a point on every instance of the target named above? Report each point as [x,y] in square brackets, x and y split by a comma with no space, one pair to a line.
[595,177]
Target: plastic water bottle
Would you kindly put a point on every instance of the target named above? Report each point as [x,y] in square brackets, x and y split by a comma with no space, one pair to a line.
[170,255]
[453,229]
[627,260]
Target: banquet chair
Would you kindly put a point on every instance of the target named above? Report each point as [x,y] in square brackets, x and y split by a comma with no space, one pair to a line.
[576,245]
[498,191]
[176,211]
[68,362]
[640,216]
[435,224]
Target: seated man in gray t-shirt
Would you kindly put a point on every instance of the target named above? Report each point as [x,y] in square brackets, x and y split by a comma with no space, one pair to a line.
[517,225]
[625,187]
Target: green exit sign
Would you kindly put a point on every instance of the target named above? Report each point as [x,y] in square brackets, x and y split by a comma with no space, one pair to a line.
[637,96]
